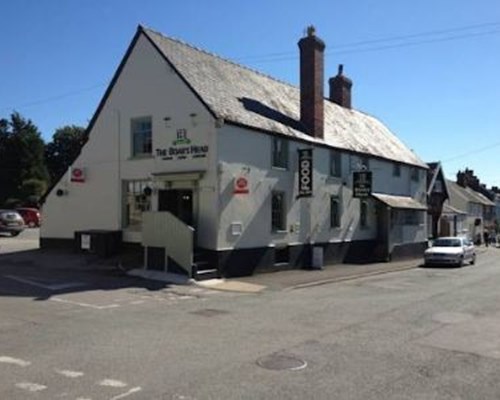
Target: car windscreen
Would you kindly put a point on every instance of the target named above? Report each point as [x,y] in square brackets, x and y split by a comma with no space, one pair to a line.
[447,243]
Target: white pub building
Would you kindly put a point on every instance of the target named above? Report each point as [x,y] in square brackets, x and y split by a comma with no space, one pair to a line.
[192,157]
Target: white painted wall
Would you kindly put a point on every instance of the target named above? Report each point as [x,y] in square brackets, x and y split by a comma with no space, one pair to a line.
[247,153]
[147,86]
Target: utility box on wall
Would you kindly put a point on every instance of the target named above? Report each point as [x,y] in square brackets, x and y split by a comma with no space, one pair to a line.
[103,243]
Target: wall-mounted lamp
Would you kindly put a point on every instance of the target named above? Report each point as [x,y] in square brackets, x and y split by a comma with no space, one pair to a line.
[193,118]
[167,120]
[61,192]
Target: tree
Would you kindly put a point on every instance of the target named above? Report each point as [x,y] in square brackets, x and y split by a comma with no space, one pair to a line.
[62,151]
[21,159]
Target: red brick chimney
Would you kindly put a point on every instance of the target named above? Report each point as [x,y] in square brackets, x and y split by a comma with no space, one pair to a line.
[340,89]
[311,83]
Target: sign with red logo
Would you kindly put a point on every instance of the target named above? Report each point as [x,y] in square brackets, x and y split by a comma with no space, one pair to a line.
[241,185]
[77,175]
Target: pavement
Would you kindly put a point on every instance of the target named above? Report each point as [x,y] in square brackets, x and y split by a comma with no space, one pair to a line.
[263,281]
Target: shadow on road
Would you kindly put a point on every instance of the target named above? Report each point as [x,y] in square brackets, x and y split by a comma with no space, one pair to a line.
[41,274]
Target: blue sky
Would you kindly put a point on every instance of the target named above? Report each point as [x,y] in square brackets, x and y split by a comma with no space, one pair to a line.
[437,88]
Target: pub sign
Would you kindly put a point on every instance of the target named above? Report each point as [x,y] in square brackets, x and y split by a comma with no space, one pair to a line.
[362,184]
[305,173]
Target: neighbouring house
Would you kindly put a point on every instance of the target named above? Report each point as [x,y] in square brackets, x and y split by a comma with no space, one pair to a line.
[476,205]
[209,165]
[437,193]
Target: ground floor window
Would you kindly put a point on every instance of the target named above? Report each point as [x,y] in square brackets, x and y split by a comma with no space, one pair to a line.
[407,217]
[363,214]
[137,200]
[334,212]
[278,212]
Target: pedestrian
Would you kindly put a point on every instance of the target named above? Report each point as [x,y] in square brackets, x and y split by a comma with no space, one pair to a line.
[486,236]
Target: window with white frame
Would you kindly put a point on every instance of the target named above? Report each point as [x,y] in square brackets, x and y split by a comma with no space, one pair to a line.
[278,212]
[363,214]
[142,136]
[365,163]
[280,153]
[335,211]
[415,174]
[396,169]
[137,200]
[335,163]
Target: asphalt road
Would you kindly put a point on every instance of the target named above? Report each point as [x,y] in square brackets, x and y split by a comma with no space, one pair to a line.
[91,335]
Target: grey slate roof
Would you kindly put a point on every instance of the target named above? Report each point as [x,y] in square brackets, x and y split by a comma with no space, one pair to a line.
[404,202]
[244,96]
[468,194]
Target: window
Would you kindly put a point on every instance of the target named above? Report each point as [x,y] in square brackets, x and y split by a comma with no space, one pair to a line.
[396,170]
[278,216]
[280,153]
[365,163]
[137,200]
[415,174]
[335,164]
[334,212]
[142,137]
[363,214]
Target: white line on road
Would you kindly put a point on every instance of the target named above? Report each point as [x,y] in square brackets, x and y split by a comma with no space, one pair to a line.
[54,286]
[15,361]
[123,395]
[31,387]
[112,383]
[84,304]
[69,374]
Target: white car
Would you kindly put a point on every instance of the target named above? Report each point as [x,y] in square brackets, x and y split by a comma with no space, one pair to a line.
[450,251]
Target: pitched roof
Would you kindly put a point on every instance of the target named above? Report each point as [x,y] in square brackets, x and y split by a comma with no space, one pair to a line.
[246,97]
[468,194]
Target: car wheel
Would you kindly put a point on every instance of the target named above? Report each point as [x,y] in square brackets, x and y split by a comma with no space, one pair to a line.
[14,233]
[473,259]
[31,224]
[461,262]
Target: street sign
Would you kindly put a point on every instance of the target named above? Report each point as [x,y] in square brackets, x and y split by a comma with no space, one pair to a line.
[362,184]
[305,173]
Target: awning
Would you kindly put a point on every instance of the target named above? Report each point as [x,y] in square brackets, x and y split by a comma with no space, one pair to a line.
[404,202]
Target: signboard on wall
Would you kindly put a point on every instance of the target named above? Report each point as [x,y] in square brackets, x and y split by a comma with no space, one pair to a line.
[77,174]
[305,173]
[241,185]
[182,148]
[362,184]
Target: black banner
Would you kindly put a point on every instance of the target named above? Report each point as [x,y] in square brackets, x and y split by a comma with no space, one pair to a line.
[362,184]
[305,173]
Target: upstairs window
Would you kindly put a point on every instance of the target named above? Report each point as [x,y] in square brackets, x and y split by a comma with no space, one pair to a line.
[334,212]
[335,164]
[280,153]
[278,213]
[365,163]
[142,133]
[415,174]
[396,169]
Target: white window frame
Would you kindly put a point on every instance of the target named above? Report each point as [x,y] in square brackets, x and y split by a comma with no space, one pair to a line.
[144,134]
[279,153]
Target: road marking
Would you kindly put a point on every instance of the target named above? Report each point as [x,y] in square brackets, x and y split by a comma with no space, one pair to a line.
[112,383]
[54,286]
[76,303]
[69,374]
[15,361]
[123,395]
[31,387]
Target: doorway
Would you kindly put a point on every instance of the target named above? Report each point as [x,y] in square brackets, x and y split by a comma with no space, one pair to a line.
[179,202]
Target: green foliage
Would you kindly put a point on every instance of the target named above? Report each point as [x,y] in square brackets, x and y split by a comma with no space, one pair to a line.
[63,150]
[21,158]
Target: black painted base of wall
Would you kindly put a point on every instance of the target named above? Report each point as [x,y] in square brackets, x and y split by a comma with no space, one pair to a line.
[244,262]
